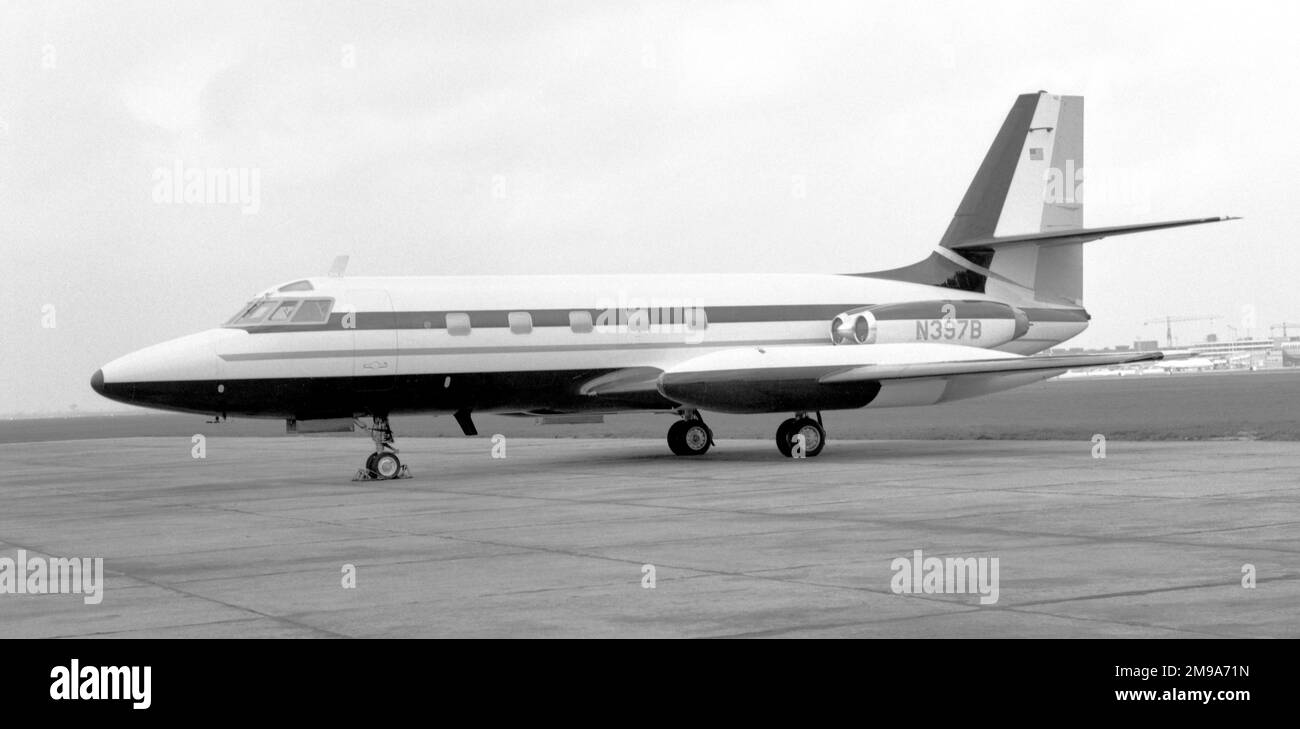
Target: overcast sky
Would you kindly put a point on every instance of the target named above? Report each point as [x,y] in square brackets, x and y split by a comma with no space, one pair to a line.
[531,137]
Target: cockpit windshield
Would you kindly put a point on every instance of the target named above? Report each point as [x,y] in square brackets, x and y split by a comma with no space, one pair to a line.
[267,311]
[283,312]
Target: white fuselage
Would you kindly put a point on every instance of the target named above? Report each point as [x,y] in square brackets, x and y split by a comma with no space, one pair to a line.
[383,331]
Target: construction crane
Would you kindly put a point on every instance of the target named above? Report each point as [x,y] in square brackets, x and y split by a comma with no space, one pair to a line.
[1169,321]
[1283,327]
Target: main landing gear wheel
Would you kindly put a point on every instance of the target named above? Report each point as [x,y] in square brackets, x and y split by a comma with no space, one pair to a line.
[814,436]
[387,466]
[383,464]
[690,437]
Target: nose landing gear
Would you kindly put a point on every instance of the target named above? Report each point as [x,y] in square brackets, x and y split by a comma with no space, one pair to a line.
[383,464]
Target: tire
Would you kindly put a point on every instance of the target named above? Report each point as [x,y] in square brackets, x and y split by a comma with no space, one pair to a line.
[814,436]
[676,442]
[387,466]
[370,464]
[689,438]
[813,433]
[784,434]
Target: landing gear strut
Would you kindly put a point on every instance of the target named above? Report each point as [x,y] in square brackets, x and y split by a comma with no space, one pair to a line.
[383,464]
[690,436]
[814,436]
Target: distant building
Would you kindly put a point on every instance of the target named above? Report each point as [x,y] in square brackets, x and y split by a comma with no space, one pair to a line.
[1146,345]
[1291,354]
[1233,347]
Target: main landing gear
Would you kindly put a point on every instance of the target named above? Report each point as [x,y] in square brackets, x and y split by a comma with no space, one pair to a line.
[814,436]
[690,436]
[798,437]
[383,464]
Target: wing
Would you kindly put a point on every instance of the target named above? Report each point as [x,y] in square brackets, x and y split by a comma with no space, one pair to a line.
[758,379]
[987,366]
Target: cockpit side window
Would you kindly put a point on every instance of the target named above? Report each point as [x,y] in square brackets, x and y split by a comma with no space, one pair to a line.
[269,312]
[313,311]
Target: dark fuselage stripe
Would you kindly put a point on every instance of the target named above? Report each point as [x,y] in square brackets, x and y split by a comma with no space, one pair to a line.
[499,318]
[519,349]
[1057,315]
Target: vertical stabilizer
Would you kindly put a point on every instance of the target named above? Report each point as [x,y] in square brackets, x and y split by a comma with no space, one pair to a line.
[1030,182]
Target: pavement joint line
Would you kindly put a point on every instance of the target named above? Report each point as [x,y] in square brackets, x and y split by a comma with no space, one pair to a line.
[359,563]
[776,632]
[1155,591]
[205,624]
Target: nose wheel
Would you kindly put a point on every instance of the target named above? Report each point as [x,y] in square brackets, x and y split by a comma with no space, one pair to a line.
[814,437]
[690,436]
[383,464]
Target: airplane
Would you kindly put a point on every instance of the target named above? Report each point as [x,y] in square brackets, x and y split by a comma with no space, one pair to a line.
[1189,364]
[1003,283]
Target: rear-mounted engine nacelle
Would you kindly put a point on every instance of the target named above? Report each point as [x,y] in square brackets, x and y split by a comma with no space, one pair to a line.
[854,328]
[973,323]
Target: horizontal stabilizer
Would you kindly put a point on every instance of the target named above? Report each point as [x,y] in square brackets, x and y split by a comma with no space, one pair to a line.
[1080,235]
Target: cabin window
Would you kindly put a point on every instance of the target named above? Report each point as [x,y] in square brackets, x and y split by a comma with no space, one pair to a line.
[458,324]
[696,319]
[521,322]
[580,322]
[313,311]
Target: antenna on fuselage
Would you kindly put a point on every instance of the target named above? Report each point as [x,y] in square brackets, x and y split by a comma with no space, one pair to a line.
[338,267]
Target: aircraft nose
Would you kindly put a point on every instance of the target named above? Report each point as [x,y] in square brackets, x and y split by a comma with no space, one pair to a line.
[111,390]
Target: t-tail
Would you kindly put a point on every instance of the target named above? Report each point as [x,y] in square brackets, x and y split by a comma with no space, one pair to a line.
[1018,233]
